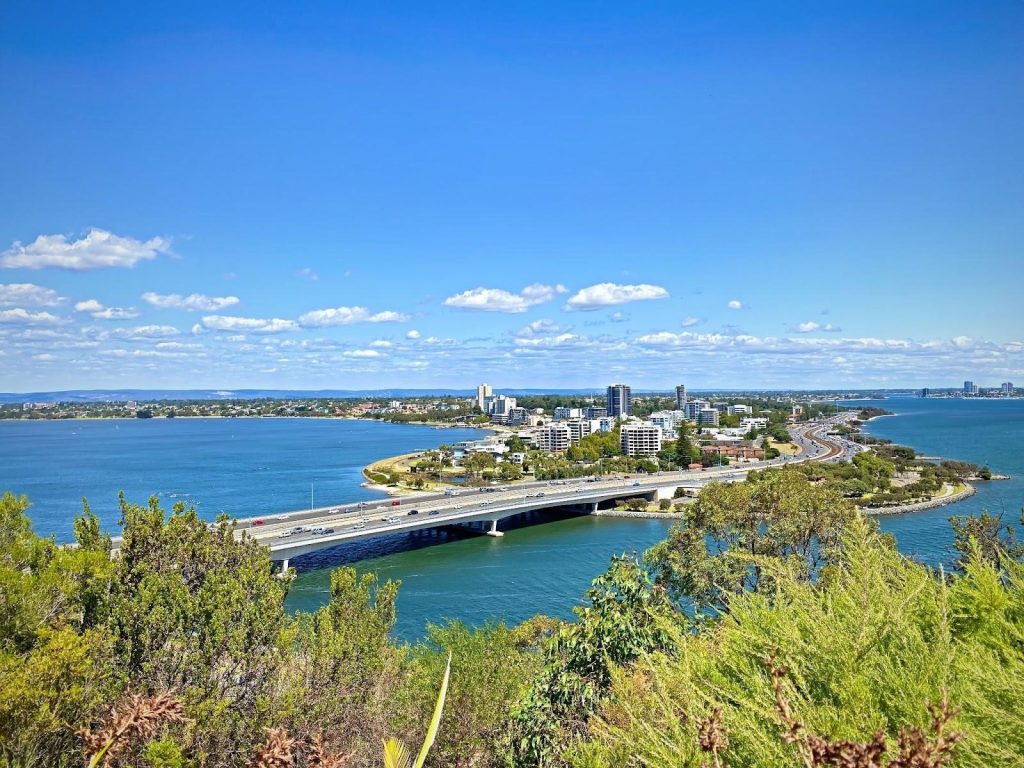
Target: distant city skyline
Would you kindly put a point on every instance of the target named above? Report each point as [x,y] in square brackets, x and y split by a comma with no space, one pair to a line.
[360,197]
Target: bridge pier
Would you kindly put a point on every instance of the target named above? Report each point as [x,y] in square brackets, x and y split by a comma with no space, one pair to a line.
[493,531]
[284,566]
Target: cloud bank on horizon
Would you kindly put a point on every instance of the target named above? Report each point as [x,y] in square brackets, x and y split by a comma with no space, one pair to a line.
[67,338]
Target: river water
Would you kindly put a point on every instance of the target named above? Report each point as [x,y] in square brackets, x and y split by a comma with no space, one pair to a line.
[260,466]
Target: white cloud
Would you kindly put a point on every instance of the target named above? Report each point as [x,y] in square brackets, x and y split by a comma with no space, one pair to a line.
[618,317]
[413,334]
[365,353]
[322,318]
[28,295]
[248,324]
[192,302]
[19,316]
[309,274]
[98,249]
[44,357]
[810,326]
[690,321]
[610,294]
[538,327]
[89,305]
[381,343]
[146,332]
[498,300]
[116,313]
[735,304]
[100,312]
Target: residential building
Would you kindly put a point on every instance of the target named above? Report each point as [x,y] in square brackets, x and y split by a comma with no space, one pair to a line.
[926,392]
[1006,388]
[693,409]
[667,421]
[640,439]
[578,429]
[619,401]
[595,412]
[753,422]
[721,407]
[680,397]
[740,410]
[563,412]
[708,417]
[970,388]
[553,438]
[499,408]
[482,391]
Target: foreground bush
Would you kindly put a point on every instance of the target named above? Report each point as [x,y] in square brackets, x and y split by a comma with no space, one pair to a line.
[856,658]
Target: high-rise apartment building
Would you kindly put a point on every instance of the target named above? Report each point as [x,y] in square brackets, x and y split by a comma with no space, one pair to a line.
[970,388]
[619,400]
[680,397]
[1006,388]
[482,391]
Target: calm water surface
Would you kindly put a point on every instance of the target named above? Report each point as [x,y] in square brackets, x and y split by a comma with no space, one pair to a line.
[257,466]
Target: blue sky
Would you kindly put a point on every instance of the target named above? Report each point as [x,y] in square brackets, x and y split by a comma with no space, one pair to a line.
[430,195]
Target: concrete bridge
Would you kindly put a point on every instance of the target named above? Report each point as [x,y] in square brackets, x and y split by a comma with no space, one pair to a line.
[299,533]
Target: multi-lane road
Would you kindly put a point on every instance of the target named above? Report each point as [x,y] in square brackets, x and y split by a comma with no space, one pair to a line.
[296,533]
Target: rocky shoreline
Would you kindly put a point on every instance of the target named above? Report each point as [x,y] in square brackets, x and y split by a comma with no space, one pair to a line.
[920,506]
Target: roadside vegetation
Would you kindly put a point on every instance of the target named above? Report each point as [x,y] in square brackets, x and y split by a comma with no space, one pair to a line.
[773,627]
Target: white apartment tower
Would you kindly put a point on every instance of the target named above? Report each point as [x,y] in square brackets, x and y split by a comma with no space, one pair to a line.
[482,391]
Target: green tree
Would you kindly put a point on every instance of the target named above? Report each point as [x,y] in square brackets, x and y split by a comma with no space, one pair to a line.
[738,536]
[625,619]
[343,675]
[685,451]
[199,611]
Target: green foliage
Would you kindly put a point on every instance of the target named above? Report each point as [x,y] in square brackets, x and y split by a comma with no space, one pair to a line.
[986,536]
[489,668]
[196,610]
[342,671]
[866,648]
[626,618]
[738,537]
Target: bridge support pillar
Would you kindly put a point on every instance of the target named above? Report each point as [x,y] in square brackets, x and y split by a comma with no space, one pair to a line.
[284,566]
[493,530]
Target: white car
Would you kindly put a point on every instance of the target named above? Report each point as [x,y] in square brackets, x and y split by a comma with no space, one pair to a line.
[284,534]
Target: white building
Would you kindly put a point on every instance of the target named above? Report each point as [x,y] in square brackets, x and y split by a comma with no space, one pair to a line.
[578,429]
[667,421]
[563,412]
[482,391]
[640,439]
[753,422]
[553,438]
[740,410]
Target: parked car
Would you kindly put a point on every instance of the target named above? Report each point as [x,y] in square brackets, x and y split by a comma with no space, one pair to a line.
[257,522]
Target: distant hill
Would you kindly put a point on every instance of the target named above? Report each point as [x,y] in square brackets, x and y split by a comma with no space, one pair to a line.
[120,395]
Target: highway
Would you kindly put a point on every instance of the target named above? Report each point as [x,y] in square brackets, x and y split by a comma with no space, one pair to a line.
[300,532]
[307,531]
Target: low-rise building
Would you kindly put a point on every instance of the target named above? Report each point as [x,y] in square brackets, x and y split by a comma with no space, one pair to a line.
[753,422]
[640,439]
[563,413]
[740,410]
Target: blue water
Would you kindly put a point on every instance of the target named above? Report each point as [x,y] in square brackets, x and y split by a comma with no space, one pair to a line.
[984,431]
[239,466]
[259,466]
